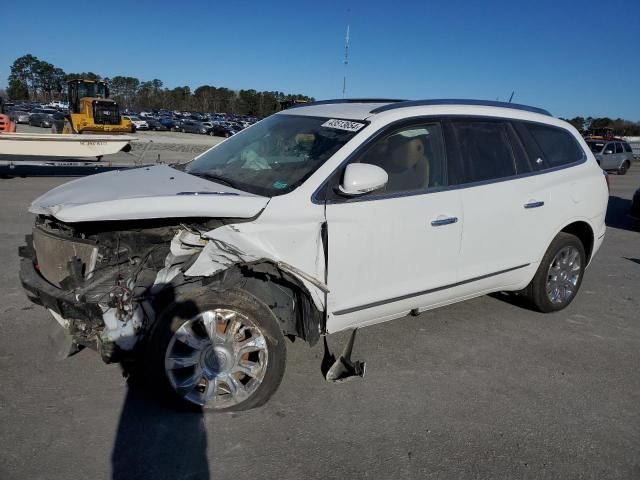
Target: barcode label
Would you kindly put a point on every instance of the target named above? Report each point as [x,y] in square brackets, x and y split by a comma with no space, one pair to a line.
[343,125]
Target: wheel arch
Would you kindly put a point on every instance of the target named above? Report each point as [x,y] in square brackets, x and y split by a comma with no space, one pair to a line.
[287,300]
[585,234]
[283,293]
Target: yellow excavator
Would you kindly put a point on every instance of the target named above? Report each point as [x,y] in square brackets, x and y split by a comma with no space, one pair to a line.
[91,110]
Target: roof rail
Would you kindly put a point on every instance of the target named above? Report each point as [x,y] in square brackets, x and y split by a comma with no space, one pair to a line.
[453,101]
[347,100]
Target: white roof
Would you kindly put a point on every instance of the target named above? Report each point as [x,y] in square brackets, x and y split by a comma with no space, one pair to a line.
[354,110]
[348,111]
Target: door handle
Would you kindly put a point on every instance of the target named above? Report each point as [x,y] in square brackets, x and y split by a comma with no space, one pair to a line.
[443,221]
[534,204]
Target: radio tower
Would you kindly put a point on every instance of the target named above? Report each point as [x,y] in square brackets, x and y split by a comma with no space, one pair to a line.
[346,62]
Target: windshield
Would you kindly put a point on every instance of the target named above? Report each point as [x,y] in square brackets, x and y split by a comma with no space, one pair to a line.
[596,147]
[273,156]
[91,90]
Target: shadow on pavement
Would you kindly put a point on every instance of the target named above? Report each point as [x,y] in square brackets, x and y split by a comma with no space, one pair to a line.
[617,214]
[156,442]
[512,298]
[153,440]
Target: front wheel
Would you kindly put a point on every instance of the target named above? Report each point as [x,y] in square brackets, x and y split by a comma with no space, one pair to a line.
[221,351]
[559,274]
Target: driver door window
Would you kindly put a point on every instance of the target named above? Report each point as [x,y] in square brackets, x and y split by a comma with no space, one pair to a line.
[412,156]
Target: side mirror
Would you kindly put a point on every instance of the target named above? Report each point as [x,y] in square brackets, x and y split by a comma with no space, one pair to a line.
[361,178]
[608,152]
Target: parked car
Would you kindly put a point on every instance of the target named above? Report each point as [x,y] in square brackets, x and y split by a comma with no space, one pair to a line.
[169,123]
[612,154]
[222,129]
[19,116]
[237,126]
[321,218]
[137,122]
[193,126]
[42,117]
[156,125]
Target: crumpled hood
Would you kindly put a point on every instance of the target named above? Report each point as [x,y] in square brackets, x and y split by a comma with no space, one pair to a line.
[148,192]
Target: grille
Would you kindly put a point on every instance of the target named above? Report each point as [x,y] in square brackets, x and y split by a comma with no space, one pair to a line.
[54,255]
[106,113]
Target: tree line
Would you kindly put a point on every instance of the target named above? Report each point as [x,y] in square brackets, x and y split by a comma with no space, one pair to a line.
[37,80]
[590,125]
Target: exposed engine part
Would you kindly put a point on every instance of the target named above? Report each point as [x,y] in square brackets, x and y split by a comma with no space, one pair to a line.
[108,279]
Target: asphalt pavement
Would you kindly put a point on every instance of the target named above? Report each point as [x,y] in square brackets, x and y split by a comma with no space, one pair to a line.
[481,389]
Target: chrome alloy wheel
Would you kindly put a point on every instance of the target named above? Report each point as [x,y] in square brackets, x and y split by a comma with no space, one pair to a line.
[563,275]
[218,358]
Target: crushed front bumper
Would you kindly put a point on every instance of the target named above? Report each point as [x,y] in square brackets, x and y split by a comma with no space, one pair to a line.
[83,317]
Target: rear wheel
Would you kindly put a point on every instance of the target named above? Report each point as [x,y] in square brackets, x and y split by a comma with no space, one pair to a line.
[559,274]
[623,168]
[217,350]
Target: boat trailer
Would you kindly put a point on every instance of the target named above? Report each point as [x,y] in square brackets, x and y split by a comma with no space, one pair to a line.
[52,155]
[21,168]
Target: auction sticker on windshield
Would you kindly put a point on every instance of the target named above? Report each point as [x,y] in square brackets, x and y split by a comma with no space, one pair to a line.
[343,125]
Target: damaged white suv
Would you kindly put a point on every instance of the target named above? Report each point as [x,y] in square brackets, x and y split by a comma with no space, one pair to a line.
[321,218]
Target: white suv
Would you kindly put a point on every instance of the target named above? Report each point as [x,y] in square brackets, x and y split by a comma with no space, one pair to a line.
[321,218]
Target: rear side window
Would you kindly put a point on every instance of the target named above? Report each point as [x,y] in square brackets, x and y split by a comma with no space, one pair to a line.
[596,147]
[557,146]
[485,150]
[627,147]
[619,148]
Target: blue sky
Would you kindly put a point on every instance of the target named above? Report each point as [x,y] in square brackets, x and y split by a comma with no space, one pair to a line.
[573,58]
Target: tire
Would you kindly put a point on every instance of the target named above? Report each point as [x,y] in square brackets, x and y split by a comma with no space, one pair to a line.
[623,168]
[558,274]
[189,372]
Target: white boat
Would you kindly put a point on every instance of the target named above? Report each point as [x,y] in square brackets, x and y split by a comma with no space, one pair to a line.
[57,145]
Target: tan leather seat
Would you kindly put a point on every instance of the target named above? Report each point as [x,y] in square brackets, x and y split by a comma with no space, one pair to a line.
[408,164]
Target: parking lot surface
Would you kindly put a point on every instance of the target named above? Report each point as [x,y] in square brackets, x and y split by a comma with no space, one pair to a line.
[481,389]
